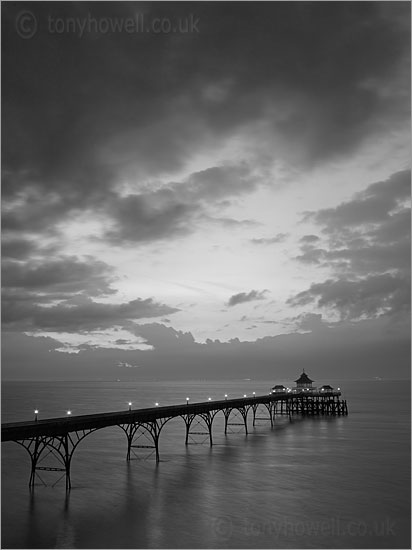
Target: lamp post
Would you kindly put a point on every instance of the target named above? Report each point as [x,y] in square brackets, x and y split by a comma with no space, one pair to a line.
[254,394]
[209,399]
[157,404]
[69,413]
[130,405]
[36,412]
[187,401]
[225,396]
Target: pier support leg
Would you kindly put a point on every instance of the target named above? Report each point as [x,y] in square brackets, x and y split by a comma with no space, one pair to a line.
[242,411]
[67,462]
[254,409]
[34,456]
[207,418]
[52,454]
[210,422]
[188,419]
[244,415]
[226,412]
[270,407]
[156,442]
[129,434]
[151,430]
[289,409]
[187,434]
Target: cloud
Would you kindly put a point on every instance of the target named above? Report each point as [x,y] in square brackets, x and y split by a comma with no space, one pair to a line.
[279,238]
[231,222]
[158,211]
[309,239]
[368,297]
[177,208]
[368,250]
[311,255]
[38,210]
[162,337]
[374,205]
[309,322]
[137,219]
[219,182]
[369,234]
[243,297]
[124,364]
[39,293]
[19,248]
[79,314]
[64,275]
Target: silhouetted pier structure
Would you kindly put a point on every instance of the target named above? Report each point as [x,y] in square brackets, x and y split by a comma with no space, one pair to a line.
[60,437]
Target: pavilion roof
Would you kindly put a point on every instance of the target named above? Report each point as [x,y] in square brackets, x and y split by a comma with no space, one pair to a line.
[304,379]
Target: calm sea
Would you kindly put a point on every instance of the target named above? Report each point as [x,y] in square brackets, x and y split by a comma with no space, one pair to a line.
[339,482]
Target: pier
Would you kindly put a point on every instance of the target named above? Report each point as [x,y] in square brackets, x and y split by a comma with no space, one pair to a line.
[59,437]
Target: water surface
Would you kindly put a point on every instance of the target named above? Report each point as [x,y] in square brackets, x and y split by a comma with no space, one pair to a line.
[340,482]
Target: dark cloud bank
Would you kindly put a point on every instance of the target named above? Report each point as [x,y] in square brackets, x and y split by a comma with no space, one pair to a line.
[80,116]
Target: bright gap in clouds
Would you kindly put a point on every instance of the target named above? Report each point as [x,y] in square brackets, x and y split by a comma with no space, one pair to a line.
[222,261]
[114,338]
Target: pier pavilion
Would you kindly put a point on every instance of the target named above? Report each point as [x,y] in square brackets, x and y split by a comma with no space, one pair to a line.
[304,383]
[279,388]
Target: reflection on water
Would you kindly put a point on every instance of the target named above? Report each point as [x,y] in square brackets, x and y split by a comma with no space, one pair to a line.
[65,534]
[312,483]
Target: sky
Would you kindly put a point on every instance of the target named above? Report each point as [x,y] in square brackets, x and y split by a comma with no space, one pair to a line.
[206,190]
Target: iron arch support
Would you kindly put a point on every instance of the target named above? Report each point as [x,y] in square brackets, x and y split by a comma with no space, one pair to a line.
[243,412]
[153,428]
[61,447]
[207,418]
